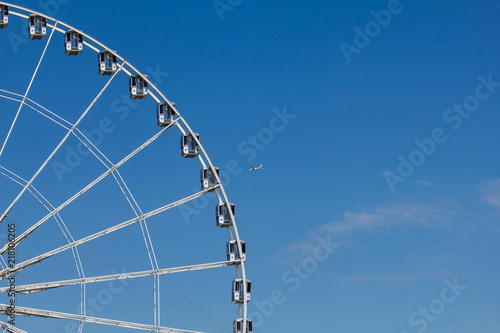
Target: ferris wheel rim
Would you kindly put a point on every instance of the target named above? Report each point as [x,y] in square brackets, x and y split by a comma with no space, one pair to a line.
[233,227]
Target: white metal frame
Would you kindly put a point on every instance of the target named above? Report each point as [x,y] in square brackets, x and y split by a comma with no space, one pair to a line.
[182,125]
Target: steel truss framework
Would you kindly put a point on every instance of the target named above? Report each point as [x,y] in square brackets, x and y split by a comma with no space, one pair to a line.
[112,169]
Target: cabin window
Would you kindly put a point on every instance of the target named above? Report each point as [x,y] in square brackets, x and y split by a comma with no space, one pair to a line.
[109,62]
[38,26]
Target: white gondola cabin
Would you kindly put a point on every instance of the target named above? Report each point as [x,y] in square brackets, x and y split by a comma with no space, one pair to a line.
[238,326]
[222,214]
[4,16]
[165,115]
[73,43]
[107,63]
[138,87]
[189,147]
[237,291]
[232,251]
[208,178]
[37,26]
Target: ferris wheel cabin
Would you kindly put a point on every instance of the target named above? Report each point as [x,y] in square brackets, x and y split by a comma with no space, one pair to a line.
[165,114]
[222,214]
[4,16]
[189,147]
[208,178]
[238,326]
[138,87]
[237,291]
[107,63]
[73,43]
[232,251]
[37,26]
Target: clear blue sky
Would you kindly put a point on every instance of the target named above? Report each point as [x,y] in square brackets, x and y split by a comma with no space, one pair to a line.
[377,125]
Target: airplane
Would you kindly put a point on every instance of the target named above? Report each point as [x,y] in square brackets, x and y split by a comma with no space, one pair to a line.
[257,168]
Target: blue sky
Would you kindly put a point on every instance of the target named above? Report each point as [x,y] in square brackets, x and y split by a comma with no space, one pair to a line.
[376,123]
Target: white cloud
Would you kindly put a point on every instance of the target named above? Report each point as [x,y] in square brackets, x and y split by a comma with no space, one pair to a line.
[411,277]
[423,182]
[392,214]
[490,192]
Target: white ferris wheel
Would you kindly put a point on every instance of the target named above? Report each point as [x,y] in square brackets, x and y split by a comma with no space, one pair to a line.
[85,231]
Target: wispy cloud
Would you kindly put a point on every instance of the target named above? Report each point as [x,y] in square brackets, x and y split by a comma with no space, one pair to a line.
[390,215]
[490,192]
[410,277]
[423,182]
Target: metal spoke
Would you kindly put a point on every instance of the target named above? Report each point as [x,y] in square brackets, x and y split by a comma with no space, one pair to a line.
[52,114]
[33,288]
[26,233]
[31,312]
[7,211]
[10,328]
[21,266]
[26,93]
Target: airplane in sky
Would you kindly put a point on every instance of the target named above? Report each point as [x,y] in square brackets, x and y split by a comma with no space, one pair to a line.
[257,168]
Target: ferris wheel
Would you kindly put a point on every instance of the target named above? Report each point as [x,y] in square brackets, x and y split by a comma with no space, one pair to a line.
[87,200]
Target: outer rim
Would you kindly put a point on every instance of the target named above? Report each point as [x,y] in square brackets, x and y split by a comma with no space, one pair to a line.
[158,100]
